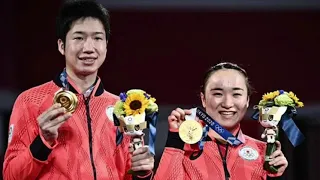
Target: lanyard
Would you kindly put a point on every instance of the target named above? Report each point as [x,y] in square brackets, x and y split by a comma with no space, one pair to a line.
[65,83]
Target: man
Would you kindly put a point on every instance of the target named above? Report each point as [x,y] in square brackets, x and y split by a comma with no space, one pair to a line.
[72,138]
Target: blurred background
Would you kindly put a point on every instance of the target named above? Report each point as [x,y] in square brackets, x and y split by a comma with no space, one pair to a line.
[165,46]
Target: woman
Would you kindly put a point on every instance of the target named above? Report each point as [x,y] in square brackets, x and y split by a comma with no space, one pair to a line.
[225,96]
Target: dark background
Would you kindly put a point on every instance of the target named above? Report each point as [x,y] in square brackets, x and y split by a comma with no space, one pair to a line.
[169,48]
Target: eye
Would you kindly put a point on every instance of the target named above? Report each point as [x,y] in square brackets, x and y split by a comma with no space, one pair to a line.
[78,38]
[270,117]
[217,94]
[98,38]
[136,127]
[237,95]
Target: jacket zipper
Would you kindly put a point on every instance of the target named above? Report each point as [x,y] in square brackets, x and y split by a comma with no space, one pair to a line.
[90,136]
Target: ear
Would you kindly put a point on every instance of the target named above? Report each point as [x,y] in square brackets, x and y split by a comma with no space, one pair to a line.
[61,46]
[248,101]
[203,100]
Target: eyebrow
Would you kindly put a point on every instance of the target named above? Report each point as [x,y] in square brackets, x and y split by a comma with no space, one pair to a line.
[233,89]
[81,32]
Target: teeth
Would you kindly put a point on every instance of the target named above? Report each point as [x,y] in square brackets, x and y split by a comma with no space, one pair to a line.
[88,60]
[226,113]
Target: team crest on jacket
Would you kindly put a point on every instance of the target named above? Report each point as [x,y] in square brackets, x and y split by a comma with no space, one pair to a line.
[248,153]
[109,112]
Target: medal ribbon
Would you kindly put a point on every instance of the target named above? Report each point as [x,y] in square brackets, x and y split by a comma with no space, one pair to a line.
[204,136]
[152,123]
[65,84]
[225,134]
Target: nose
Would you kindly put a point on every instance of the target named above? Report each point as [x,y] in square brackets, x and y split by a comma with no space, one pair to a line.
[88,46]
[227,102]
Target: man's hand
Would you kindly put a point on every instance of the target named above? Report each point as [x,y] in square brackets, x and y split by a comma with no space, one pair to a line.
[142,160]
[50,121]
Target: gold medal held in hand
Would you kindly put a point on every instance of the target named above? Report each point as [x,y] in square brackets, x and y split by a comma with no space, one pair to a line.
[67,99]
[190,131]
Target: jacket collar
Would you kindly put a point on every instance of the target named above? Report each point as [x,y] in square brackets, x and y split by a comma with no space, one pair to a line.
[98,90]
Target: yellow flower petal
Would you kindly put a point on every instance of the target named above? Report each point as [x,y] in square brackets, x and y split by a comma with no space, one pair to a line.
[300,104]
[136,103]
[272,95]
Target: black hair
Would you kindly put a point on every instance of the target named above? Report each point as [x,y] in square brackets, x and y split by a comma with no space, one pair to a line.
[72,10]
[226,65]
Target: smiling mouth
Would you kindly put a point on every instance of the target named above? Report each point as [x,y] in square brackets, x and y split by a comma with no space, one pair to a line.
[227,113]
[88,58]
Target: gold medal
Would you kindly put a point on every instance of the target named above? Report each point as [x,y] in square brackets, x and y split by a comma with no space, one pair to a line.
[190,131]
[67,99]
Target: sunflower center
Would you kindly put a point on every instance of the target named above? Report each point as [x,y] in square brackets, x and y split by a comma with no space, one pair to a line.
[134,105]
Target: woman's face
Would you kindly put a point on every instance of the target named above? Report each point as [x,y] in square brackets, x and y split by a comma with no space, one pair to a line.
[225,97]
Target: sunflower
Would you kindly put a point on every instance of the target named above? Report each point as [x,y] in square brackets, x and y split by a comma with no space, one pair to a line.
[270,96]
[295,99]
[136,103]
[300,104]
[293,96]
[281,98]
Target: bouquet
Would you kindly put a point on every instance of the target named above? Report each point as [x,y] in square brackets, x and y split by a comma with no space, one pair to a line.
[133,112]
[277,109]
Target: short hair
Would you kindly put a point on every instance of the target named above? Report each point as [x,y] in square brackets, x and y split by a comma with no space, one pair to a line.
[73,10]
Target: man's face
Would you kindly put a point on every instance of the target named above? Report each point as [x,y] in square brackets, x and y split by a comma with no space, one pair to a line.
[85,47]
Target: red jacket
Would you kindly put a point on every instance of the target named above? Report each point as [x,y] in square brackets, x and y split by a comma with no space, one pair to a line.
[86,146]
[244,162]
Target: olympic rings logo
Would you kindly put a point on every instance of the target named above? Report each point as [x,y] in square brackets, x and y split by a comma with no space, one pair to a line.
[219,129]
